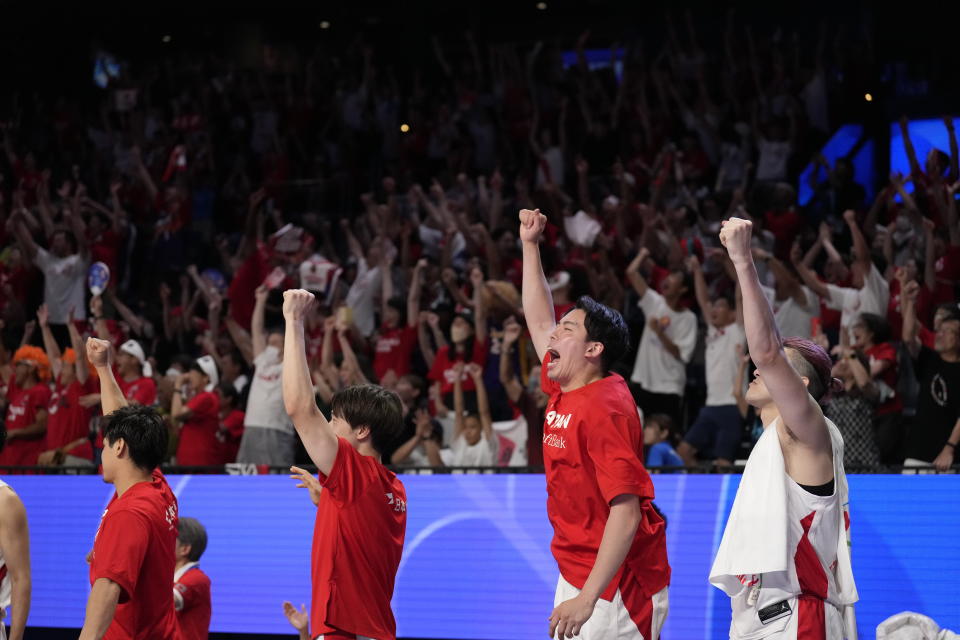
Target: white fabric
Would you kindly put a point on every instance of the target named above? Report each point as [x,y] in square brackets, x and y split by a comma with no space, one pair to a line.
[772,161]
[482,454]
[793,319]
[516,431]
[133,348]
[611,619]
[872,298]
[265,403]
[361,294]
[6,587]
[757,537]
[209,366]
[553,158]
[655,369]
[581,228]
[912,626]
[721,363]
[64,282]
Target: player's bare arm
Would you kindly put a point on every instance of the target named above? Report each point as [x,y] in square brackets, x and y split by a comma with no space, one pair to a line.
[100,354]
[298,399]
[537,300]
[799,412]
[101,605]
[15,547]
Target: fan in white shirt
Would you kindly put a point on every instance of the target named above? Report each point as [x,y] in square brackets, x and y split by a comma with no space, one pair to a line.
[794,305]
[474,442]
[716,432]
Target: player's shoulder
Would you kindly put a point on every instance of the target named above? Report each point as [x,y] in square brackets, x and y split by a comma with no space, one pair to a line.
[11,506]
[195,577]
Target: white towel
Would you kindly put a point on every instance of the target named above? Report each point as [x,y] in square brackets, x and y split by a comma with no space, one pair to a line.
[755,537]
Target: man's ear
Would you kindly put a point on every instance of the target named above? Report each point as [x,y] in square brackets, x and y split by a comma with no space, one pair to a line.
[595,350]
[806,381]
[119,447]
[363,432]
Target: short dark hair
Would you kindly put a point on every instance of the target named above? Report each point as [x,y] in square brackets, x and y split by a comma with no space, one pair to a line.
[142,430]
[68,237]
[192,533]
[877,325]
[3,436]
[416,382]
[400,305]
[229,391]
[606,326]
[662,420]
[371,405]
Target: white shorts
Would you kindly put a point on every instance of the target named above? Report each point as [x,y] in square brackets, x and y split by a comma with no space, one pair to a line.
[615,620]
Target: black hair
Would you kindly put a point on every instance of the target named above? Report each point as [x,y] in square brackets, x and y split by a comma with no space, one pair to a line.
[68,236]
[3,436]
[606,326]
[229,391]
[400,305]
[877,325]
[191,532]
[951,308]
[417,383]
[662,420]
[142,430]
[687,278]
[371,405]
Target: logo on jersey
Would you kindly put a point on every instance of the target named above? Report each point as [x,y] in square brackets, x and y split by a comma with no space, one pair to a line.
[171,516]
[400,506]
[558,421]
[555,441]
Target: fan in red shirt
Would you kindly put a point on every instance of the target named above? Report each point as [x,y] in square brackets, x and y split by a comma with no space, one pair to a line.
[362,511]
[609,541]
[135,374]
[230,428]
[133,553]
[191,586]
[27,399]
[398,334]
[198,419]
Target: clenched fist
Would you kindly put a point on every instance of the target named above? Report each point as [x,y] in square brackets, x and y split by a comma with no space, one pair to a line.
[532,224]
[735,236]
[296,304]
[98,352]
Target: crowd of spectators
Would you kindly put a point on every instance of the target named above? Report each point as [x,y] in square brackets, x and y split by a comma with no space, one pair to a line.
[207,188]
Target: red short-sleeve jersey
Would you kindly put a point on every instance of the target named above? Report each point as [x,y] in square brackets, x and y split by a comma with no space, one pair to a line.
[21,413]
[198,445]
[142,391]
[357,544]
[947,269]
[191,597]
[394,350]
[592,452]
[885,352]
[442,370]
[231,432]
[67,420]
[135,548]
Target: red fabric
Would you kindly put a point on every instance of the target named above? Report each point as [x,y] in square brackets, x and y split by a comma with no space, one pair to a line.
[233,425]
[22,412]
[105,248]
[67,421]
[638,604]
[785,226]
[442,370]
[887,352]
[394,350]
[142,391]
[193,619]
[947,270]
[249,276]
[927,337]
[198,445]
[357,544]
[592,452]
[134,547]
[560,309]
[811,618]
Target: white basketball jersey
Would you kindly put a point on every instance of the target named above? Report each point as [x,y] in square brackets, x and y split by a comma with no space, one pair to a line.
[5,586]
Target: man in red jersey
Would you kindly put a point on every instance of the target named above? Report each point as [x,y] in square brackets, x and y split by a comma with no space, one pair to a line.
[362,511]
[609,541]
[133,551]
[191,586]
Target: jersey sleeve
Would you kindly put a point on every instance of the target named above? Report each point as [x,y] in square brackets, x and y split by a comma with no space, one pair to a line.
[350,476]
[618,467]
[40,397]
[189,590]
[119,550]
[204,404]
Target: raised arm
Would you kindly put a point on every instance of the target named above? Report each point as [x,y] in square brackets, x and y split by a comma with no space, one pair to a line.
[475,371]
[911,326]
[861,250]
[799,412]
[80,364]
[954,174]
[100,354]
[49,342]
[458,400]
[479,308]
[807,274]
[537,300]
[915,168]
[784,276]
[511,336]
[298,399]
[637,281]
[257,333]
[699,285]
[136,322]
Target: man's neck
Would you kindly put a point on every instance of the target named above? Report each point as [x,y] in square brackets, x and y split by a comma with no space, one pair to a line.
[128,478]
[950,356]
[768,414]
[181,562]
[587,377]
[673,302]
